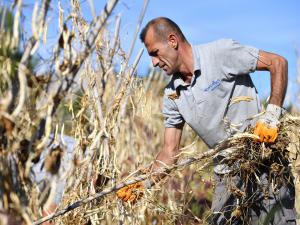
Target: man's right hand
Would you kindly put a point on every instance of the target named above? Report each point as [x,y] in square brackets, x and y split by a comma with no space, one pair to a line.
[132,192]
[167,156]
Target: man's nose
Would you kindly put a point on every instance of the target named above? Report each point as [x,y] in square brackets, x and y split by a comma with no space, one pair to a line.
[155,61]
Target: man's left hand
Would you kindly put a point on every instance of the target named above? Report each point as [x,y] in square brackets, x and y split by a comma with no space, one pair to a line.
[266,127]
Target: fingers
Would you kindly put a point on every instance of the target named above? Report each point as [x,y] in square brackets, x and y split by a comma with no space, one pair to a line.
[257,130]
[131,193]
[127,197]
[274,138]
[122,192]
[132,198]
[266,134]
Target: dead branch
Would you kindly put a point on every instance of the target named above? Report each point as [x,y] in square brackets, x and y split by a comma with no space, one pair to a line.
[93,32]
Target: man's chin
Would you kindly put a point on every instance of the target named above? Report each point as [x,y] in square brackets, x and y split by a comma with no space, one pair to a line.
[168,72]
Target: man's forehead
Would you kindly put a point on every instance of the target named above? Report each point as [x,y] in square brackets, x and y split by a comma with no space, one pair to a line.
[150,37]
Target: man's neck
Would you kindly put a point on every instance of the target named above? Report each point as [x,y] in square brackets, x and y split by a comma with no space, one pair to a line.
[187,65]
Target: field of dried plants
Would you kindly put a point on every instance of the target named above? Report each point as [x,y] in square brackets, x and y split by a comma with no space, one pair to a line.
[92,94]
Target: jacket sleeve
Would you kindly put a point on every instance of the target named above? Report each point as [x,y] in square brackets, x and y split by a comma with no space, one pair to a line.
[237,59]
[172,117]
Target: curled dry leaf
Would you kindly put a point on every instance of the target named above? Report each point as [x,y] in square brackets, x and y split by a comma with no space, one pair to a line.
[8,125]
[53,160]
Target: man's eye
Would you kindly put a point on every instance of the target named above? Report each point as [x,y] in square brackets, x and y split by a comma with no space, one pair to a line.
[154,53]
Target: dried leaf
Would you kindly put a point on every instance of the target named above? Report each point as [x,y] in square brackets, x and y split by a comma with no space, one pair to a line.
[53,160]
[173,96]
[237,99]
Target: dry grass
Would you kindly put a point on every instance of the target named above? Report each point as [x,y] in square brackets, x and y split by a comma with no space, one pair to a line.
[115,118]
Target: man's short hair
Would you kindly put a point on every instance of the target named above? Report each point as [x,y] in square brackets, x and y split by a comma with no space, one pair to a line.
[162,26]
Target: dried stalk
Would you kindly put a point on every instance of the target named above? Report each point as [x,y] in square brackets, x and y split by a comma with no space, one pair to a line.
[93,32]
[133,42]
[25,59]
[165,170]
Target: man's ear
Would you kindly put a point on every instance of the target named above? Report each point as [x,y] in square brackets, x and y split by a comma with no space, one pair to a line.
[173,40]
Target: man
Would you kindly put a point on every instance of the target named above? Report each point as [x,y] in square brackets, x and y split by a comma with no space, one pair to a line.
[205,79]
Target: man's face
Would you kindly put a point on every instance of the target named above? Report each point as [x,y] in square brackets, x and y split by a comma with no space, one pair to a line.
[162,52]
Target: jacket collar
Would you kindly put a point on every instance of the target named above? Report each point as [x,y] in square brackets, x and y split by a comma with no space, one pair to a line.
[197,68]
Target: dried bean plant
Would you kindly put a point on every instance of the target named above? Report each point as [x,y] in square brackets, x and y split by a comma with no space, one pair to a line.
[92,93]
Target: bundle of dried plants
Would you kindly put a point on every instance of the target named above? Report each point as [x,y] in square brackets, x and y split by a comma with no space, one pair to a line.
[91,93]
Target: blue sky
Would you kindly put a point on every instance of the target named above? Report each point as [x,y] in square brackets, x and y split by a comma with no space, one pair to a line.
[273,26]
